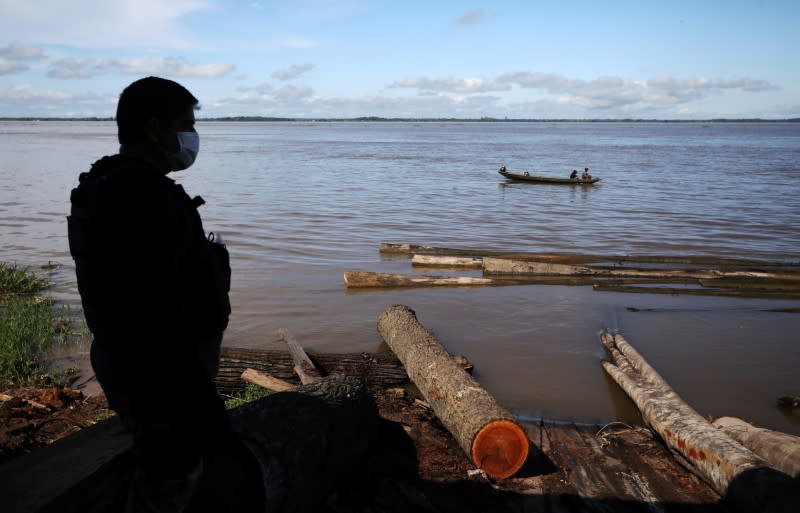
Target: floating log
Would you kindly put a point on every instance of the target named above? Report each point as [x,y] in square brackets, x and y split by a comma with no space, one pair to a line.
[376,369]
[565,258]
[734,471]
[447,261]
[486,431]
[515,267]
[674,291]
[362,279]
[781,450]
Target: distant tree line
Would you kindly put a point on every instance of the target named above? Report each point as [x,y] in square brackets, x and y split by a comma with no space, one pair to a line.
[423,120]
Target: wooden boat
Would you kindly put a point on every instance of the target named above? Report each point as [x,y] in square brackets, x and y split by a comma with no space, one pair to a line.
[526,177]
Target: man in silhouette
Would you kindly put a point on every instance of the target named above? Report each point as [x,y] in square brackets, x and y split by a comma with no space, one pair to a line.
[154,290]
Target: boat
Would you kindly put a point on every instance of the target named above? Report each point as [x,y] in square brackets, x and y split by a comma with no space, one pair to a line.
[527,177]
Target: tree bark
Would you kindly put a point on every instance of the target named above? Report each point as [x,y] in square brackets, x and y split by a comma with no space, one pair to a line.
[735,472]
[486,431]
[781,450]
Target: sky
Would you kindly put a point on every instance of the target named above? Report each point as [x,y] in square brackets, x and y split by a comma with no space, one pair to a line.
[567,59]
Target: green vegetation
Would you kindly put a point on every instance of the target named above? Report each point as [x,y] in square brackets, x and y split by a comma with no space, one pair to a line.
[30,325]
[250,393]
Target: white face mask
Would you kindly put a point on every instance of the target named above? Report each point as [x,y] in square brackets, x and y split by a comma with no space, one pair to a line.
[188,148]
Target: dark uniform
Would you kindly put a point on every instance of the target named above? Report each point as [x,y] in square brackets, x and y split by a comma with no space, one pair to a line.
[155,295]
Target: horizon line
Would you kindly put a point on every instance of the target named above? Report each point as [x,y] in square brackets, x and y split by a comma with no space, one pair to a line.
[423,119]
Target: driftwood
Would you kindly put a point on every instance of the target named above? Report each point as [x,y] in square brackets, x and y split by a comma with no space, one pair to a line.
[416,249]
[781,450]
[303,365]
[727,292]
[485,430]
[266,381]
[375,369]
[363,279]
[447,261]
[516,267]
[736,473]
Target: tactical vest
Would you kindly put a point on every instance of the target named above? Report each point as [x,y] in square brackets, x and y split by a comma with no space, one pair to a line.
[138,243]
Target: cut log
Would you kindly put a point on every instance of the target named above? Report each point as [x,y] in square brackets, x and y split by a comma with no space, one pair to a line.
[361,279]
[486,431]
[303,365]
[446,261]
[266,381]
[516,267]
[412,249]
[781,450]
[376,369]
[735,472]
[675,291]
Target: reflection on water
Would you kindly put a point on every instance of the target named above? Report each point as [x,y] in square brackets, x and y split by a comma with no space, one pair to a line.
[298,204]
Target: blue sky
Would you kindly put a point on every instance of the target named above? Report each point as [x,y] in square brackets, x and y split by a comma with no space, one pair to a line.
[347,58]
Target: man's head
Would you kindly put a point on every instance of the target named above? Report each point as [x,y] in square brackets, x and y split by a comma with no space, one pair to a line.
[152,105]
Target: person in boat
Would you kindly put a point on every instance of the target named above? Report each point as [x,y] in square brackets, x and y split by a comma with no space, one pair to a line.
[503,168]
[574,175]
[586,175]
[154,291]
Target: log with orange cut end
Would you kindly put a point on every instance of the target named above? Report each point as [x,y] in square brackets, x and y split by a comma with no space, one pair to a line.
[485,430]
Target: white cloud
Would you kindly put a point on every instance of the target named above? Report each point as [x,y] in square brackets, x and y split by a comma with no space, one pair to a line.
[13,57]
[8,66]
[19,52]
[451,85]
[163,66]
[471,17]
[99,23]
[292,71]
[618,93]
[174,67]
[28,93]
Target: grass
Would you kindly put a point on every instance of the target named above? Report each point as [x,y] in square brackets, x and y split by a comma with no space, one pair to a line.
[30,325]
[250,393]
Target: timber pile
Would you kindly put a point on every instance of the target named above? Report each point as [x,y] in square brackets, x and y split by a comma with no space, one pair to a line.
[321,447]
[720,454]
[695,276]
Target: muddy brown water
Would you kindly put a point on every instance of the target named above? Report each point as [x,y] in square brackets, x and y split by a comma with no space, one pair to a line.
[300,203]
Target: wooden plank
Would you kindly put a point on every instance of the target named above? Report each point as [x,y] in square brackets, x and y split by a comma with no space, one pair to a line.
[33,481]
[266,381]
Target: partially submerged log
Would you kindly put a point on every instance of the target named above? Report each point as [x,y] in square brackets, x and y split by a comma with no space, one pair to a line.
[735,472]
[781,450]
[517,267]
[486,431]
[564,258]
[362,279]
[700,291]
[447,261]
